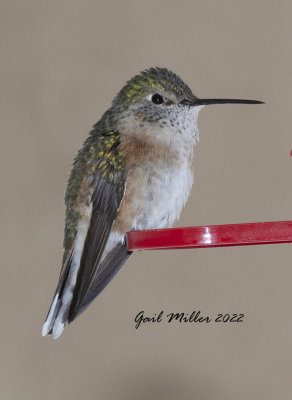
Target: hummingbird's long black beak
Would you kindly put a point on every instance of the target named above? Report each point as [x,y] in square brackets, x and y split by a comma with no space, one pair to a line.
[204,102]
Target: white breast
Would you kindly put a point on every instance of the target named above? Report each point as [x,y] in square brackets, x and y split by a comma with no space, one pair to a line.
[166,190]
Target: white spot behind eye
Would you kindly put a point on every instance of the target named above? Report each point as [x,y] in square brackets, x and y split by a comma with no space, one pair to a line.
[149,97]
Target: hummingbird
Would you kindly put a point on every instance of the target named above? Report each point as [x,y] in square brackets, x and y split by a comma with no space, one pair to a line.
[133,172]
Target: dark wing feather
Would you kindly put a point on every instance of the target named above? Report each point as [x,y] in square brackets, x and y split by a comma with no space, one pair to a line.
[108,268]
[105,200]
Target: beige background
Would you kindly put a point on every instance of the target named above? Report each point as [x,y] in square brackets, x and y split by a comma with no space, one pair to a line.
[61,64]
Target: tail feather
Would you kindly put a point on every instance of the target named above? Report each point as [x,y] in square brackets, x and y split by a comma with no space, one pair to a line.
[54,309]
[56,303]
[59,312]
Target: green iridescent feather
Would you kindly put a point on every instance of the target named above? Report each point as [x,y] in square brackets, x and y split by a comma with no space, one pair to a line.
[99,156]
[153,78]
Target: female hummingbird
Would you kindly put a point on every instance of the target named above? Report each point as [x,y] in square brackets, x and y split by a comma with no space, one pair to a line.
[134,171]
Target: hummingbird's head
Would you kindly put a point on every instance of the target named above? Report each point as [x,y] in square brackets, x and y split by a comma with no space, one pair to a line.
[154,99]
[155,86]
[157,98]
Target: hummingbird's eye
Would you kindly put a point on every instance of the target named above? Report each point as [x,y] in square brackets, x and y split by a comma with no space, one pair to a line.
[157,99]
